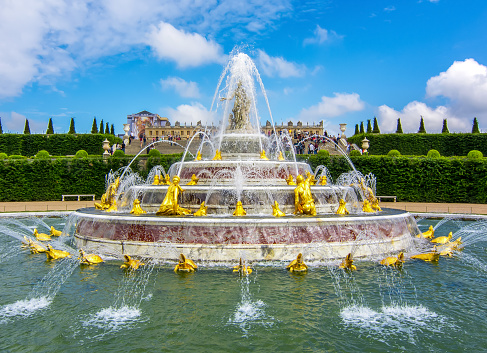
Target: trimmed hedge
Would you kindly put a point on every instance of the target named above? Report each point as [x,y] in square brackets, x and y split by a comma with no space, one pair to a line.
[420,144]
[56,145]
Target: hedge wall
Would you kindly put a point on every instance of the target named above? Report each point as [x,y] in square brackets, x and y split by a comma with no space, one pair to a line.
[56,145]
[420,144]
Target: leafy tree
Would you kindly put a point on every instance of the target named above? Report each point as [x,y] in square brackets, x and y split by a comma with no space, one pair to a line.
[101,127]
[50,129]
[399,127]
[475,127]
[1,131]
[107,129]
[376,129]
[445,130]
[421,130]
[362,127]
[369,127]
[94,127]
[112,130]
[356,130]
[26,127]
[71,127]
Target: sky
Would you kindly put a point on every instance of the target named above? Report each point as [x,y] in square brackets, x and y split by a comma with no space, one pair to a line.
[340,61]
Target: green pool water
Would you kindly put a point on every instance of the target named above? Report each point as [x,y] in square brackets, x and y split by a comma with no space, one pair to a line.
[62,307]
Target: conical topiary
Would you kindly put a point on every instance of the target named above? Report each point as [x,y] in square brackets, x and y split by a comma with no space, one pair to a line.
[399,127]
[107,129]
[362,131]
[71,127]
[112,130]
[369,126]
[102,131]
[421,130]
[445,130]
[26,127]
[94,127]
[1,131]
[356,130]
[376,129]
[475,127]
[50,129]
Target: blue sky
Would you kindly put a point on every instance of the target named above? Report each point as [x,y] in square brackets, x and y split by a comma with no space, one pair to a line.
[337,61]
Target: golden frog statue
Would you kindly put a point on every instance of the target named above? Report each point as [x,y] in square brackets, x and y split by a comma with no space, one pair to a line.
[218,156]
[297,265]
[108,199]
[429,257]
[202,210]
[198,156]
[89,259]
[194,180]
[393,261]
[280,157]
[242,268]
[185,265]
[303,199]
[239,210]
[263,156]
[137,209]
[276,212]
[169,206]
[131,264]
[342,208]
[367,207]
[347,263]
[290,180]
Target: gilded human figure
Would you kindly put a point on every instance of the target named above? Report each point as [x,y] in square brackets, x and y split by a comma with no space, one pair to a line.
[239,120]
[303,200]
[108,199]
[169,206]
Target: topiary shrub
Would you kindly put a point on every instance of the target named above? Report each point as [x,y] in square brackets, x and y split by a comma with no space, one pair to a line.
[433,154]
[3,155]
[42,154]
[81,154]
[16,156]
[154,153]
[474,154]
[394,153]
[118,153]
[355,153]
[323,153]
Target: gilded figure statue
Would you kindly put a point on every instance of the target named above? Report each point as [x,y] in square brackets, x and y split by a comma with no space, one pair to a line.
[166,181]
[375,205]
[239,210]
[202,210]
[342,208]
[347,263]
[263,156]
[185,265]
[194,180]
[323,180]
[108,199]
[368,193]
[218,156]
[367,207]
[297,265]
[290,180]
[198,156]
[137,209]
[242,268]
[157,180]
[276,212]
[303,199]
[169,206]
[312,181]
[280,157]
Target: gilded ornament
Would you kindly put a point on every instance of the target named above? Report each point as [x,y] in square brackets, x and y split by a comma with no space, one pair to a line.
[303,199]
[297,265]
[169,206]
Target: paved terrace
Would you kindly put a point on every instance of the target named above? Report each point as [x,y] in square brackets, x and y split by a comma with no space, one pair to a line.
[42,206]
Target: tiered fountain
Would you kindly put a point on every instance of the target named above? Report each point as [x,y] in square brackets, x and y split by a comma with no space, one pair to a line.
[243,178]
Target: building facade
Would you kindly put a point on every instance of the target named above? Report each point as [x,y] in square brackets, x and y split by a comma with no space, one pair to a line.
[294,130]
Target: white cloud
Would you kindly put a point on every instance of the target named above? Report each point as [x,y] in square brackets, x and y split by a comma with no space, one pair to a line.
[192,113]
[182,87]
[278,66]
[390,9]
[322,35]
[330,107]
[186,49]
[13,122]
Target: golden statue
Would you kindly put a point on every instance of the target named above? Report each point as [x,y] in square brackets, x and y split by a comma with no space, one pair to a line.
[276,212]
[297,265]
[375,206]
[367,207]
[202,210]
[108,199]
[53,254]
[54,232]
[185,265]
[448,248]
[303,200]
[239,210]
[166,181]
[290,180]
[169,206]
[368,193]
[137,209]
[342,208]
[312,181]
[347,263]
[263,156]
[89,259]
[430,256]
[218,156]
[156,180]
[393,261]
[131,264]
[35,248]
[242,269]
[430,233]
[198,156]
[323,180]
[280,157]
[41,236]
[194,180]
[442,240]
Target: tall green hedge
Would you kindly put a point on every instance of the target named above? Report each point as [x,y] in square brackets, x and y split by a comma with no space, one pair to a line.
[56,145]
[420,144]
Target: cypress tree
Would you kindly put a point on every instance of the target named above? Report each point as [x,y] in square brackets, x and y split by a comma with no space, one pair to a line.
[107,129]
[444,130]
[26,127]
[399,127]
[356,130]
[475,127]
[421,130]
[71,127]
[50,129]
[376,129]
[369,127]
[362,131]
[112,130]
[94,127]
[1,131]
[101,127]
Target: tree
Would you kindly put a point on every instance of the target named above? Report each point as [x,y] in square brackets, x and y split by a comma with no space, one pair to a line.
[26,127]
[1,131]
[376,129]
[71,127]
[357,131]
[421,130]
[475,127]
[50,129]
[112,130]
[444,130]
[101,127]
[369,127]
[362,127]
[107,129]
[399,127]
[94,127]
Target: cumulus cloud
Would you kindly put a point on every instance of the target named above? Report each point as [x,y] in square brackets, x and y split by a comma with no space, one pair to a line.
[278,66]
[14,122]
[181,86]
[322,35]
[190,113]
[330,107]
